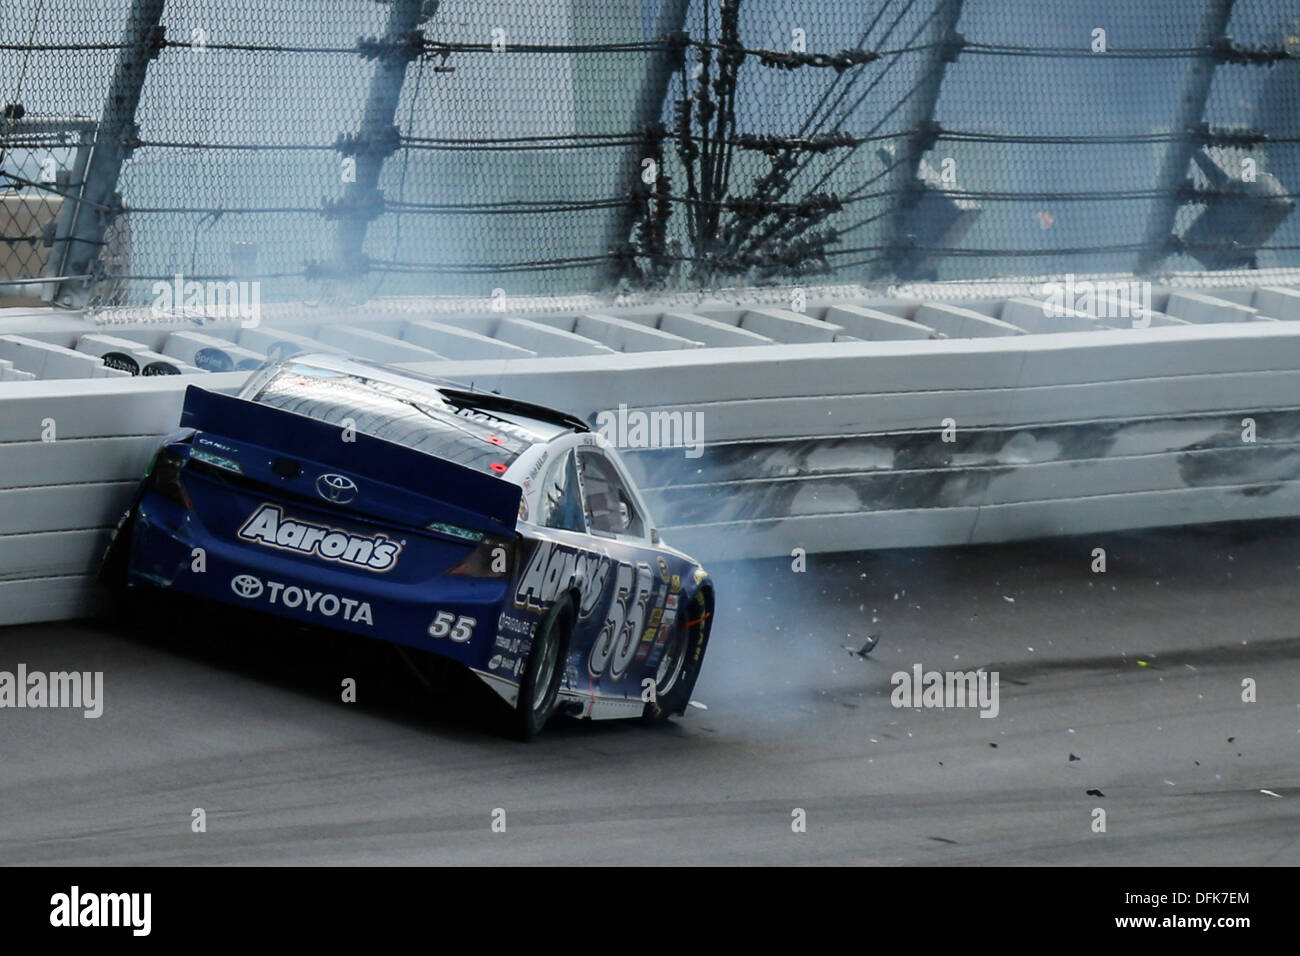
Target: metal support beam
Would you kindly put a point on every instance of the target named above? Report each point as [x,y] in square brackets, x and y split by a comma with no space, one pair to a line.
[378,138]
[1191,108]
[944,43]
[69,208]
[117,133]
[669,22]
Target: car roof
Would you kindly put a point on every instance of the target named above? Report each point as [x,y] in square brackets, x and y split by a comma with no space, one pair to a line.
[547,422]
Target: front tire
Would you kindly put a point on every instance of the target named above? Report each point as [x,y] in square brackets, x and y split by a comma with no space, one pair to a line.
[680,666]
[540,689]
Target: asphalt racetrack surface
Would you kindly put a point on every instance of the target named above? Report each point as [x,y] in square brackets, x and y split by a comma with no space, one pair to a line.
[1137,672]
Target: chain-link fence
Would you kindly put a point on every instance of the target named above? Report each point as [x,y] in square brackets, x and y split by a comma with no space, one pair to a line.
[342,150]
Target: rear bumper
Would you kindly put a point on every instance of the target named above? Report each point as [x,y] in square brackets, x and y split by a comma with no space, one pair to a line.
[163,554]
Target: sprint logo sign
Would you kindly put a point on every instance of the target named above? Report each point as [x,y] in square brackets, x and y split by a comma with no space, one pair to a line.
[269,527]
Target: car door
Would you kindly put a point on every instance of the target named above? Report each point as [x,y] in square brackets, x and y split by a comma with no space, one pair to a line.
[558,548]
[642,579]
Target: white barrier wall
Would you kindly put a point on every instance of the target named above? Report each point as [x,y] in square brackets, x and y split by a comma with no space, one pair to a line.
[71,451]
[845,449]
[1051,434]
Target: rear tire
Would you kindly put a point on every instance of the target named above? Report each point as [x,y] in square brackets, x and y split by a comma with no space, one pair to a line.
[540,689]
[113,567]
[123,604]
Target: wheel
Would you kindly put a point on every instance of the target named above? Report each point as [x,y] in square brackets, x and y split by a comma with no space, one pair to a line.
[123,604]
[112,569]
[680,666]
[544,672]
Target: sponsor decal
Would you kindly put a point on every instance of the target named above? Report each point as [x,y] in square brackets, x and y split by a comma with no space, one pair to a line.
[669,618]
[122,362]
[497,424]
[339,489]
[616,645]
[553,568]
[661,621]
[246,586]
[675,583]
[511,666]
[460,628]
[663,569]
[510,645]
[600,568]
[516,625]
[268,526]
[213,360]
[655,656]
[656,651]
[323,603]
[537,466]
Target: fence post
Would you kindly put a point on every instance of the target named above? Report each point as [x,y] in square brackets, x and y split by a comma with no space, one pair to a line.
[669,22]
[918,117]
[1191,108]
[378,138]
[114,141]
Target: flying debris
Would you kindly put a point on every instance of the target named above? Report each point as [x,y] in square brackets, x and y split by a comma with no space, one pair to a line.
[865,649]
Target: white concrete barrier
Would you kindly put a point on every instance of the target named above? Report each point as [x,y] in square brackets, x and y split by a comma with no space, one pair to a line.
[458,343]
[211,353]
[876,326]
[710,331]
[72,451]
[623,335]
[827,445]
[44,360]
[123,353]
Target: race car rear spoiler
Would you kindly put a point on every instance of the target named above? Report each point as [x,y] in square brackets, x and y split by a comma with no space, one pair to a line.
[462,495]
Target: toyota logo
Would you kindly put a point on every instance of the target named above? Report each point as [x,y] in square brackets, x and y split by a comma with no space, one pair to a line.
[246,586]
[339,489]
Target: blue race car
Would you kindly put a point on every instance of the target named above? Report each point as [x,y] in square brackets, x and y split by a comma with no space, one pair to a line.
[502,535]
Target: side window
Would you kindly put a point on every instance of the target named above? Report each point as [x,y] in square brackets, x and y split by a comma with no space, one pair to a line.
[609,504]
[561,503]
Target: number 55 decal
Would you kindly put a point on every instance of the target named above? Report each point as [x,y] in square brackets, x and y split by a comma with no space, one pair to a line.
[459,629]
[617,639]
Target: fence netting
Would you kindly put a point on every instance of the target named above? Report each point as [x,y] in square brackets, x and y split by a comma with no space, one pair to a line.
[343,150]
